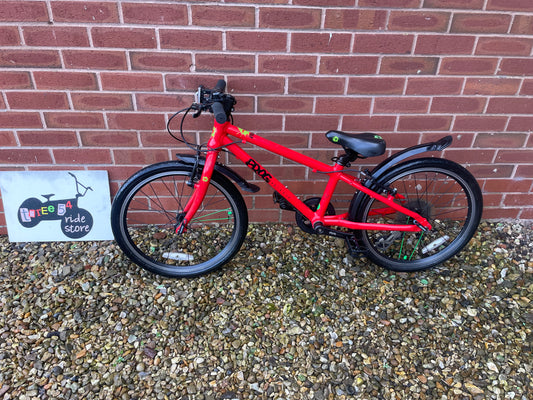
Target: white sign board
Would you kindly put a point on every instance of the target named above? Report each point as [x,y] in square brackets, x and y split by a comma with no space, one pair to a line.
[46,206]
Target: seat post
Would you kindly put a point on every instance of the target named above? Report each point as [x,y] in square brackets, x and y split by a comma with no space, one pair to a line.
[348,157]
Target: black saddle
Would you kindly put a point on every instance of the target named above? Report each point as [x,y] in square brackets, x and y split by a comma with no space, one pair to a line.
[47,196]
[365,144]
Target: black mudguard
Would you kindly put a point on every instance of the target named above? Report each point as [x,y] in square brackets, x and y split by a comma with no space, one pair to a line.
[387,164]
[189,159]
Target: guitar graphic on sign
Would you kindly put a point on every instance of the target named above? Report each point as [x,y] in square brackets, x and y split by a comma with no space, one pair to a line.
[75,222]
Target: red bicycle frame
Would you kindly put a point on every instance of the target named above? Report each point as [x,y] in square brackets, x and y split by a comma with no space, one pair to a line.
[219,138]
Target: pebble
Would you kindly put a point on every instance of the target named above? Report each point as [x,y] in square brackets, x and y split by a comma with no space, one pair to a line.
[291,317]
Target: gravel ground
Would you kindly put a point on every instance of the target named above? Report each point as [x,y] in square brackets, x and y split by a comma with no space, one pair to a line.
[292,317]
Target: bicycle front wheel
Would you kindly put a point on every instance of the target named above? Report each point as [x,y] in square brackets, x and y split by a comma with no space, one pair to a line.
[149,207]
[444,193]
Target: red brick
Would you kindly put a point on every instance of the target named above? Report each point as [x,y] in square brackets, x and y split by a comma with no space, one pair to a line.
[130,81]
[136,121]
[188,82]
[383,43]
[82,156]
[256,41]
[506,185]
[23,11]
[56,36]
[287,64]
[37,100]
[101,101]
[15,80]
[140,157]
[284,104]
[109,139]
[313,123]
[13,119]
[190,39]
[492,200]
[95,59]
[131,38]
[84,11]
[160,61]
[458,105]
[9,36]
[520,124]
[376,85]
[322,3]
[348,65]
[157,139]
[316,85]
[434,86]
[524,171]
[527,88]
[508,5]
[348,19]
[500,140]
[491,171]
[320,42]
[47,138]
[74,120]
[522,25]
[2,103]
[480,23]
[161,102]
[293,18]
[444,44]
[515,156]
[492,86]
[389,3]
[160,14]
[25,156]
[256,84]
[225,63]
[522,199]
[461,156]
[409,65]
[259,122]
[401,105]
[510,105]
[467,4]
[7,139]
[499,213]
[468,66]
[380,123]
[475,123]
[214,15]
[342,105]
[428,21]
[504,46]
[65,80]
[30,58]
[526,213]
[424,123]
[516,66]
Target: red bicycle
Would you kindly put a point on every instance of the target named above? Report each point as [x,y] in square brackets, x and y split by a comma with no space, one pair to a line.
[184,218]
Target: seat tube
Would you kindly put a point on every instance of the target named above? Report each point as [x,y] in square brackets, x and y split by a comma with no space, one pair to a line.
[329,190]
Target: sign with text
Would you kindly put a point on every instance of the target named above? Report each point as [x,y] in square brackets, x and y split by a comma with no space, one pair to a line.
[45,206]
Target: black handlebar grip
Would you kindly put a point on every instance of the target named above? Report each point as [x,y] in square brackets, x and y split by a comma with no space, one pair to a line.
[221,86]
[220,114]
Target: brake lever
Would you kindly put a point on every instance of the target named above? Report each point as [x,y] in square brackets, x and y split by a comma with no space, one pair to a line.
[198,109]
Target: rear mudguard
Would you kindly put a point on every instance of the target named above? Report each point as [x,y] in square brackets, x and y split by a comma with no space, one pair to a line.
[189,159]
[387,164]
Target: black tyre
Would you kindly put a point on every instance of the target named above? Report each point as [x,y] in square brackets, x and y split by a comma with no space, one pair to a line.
[443,192]
[148,207]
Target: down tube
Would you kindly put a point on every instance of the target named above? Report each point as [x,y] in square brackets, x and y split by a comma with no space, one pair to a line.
[274,183]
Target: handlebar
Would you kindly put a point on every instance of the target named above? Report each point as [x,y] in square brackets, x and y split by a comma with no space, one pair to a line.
[215,101]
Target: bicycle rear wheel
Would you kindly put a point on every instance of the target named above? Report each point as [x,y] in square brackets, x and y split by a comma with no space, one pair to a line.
[444,193]
[149,207]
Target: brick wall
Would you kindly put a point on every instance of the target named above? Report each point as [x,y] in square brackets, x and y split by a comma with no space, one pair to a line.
[91,84]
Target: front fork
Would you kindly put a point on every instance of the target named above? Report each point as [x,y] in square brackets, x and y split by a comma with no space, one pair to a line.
[200,186]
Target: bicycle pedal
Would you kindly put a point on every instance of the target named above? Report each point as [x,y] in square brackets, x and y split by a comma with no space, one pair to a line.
[282,201]
[354,249]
